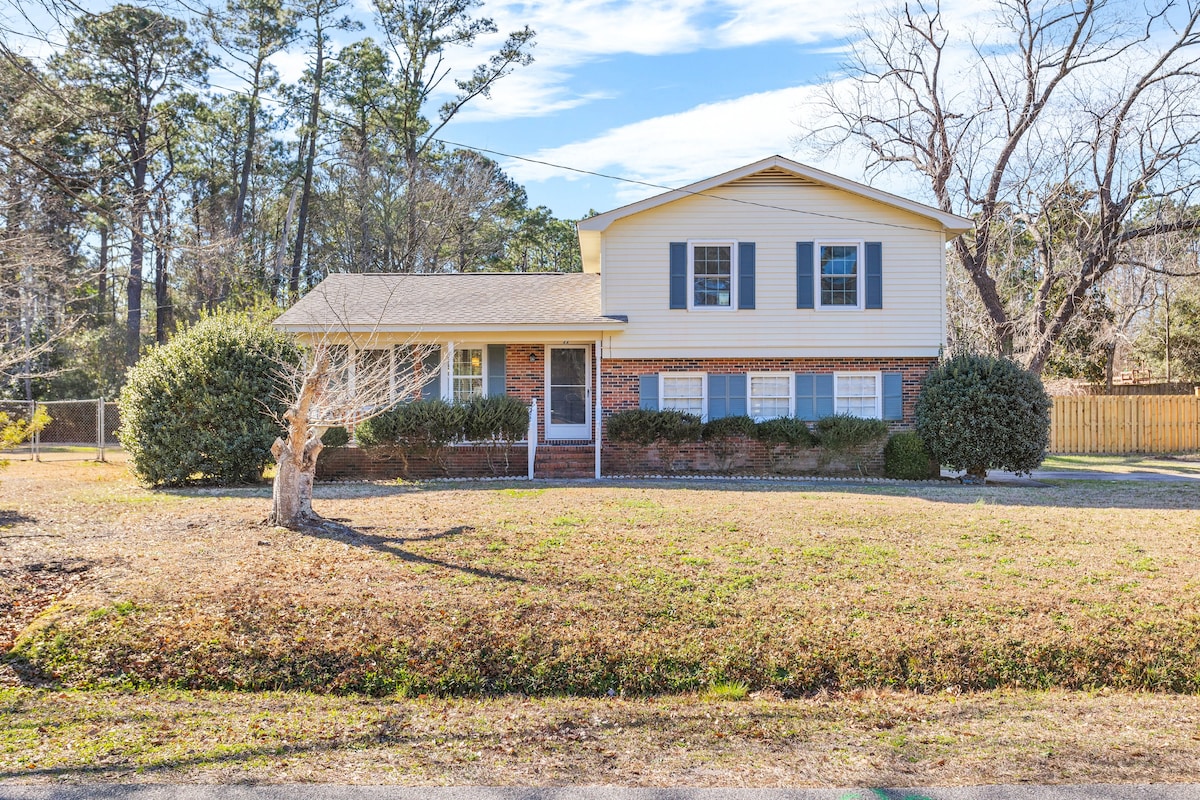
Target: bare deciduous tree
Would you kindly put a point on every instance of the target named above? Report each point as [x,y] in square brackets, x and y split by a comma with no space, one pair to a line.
[1079,99]
[348,374]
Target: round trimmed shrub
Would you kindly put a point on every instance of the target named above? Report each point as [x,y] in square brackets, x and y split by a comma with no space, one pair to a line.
[785,430]
[337,436]
[905,457]
[977,413]
[198,409]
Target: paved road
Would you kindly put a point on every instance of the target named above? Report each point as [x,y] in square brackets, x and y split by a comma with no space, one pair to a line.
[323,792]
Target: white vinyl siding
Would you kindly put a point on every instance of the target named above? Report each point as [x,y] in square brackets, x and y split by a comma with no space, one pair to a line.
[635,260]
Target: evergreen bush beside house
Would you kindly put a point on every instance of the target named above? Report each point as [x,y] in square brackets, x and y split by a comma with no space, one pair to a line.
[202,408]
[905,458]
[977,413]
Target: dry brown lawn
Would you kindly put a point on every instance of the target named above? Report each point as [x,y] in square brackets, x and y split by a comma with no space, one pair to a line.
[869,623]
[632,588]
[861,738]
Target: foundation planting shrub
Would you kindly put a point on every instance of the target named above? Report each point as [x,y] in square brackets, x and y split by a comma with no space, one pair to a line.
[668,429]
[199,408]
[497,422]
[977,413]
[785,430]
[905,457]
[336,436]
[722,437]
[842,435]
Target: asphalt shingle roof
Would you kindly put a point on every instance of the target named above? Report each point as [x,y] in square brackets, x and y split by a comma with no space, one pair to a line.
[419,301]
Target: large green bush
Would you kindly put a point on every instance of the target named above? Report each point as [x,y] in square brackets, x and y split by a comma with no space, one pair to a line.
[905,457]
[977,413]
[198,409]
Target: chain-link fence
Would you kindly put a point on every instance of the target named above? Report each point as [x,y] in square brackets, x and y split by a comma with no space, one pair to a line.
[78,429]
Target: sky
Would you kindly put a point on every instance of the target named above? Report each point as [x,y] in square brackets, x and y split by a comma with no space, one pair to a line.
[663,92]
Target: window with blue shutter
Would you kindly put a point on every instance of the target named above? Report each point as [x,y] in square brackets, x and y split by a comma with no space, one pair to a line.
[804,275]
[495,369]
[874,275]
[893,396]
[648,392]
[814,395]
[745,267]
[726,396]
[679,269]
[431,374]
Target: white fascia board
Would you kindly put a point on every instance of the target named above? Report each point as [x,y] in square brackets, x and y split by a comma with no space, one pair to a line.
[952,223]
[509,328]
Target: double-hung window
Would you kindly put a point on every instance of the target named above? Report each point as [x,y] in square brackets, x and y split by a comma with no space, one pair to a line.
[712,272]
[858,394]
[770,394]
[840,274]
[467,373]
[683,391]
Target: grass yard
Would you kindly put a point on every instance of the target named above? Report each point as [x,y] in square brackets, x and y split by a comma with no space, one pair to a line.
[633,588]
[473,633]
[859,738]
[1183,464]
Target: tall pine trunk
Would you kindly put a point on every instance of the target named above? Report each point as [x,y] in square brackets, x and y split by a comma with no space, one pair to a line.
[309,160]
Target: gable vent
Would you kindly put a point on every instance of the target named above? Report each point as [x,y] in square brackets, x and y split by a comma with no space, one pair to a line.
[773,177]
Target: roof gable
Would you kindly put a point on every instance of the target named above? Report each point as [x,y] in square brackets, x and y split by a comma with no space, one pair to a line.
[776,171]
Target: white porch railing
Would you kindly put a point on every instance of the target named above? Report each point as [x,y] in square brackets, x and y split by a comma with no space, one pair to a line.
[532,436]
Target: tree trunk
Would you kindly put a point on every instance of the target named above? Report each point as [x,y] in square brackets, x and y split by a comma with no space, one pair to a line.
[291,496]
[309,161]
[239,205]
[137,247]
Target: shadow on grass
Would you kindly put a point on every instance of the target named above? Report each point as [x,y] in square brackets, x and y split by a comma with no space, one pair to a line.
[1060,492]
[10,518]
[392,545]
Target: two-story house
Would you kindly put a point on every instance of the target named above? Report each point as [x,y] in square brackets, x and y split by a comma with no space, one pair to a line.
[774,289]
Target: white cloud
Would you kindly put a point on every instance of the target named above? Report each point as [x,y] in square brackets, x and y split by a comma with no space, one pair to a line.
[676,149]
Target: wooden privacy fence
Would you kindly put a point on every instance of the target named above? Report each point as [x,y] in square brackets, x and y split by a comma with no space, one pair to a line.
[1130,424]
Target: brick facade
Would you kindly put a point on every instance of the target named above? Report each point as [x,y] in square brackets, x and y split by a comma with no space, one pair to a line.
[525,379]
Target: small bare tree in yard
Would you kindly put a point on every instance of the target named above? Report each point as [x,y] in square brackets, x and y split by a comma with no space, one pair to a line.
[342,380]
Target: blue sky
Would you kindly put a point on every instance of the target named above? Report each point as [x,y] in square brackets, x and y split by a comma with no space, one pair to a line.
[663,91]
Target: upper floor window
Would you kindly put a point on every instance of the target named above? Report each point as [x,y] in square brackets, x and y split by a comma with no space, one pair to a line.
[839,275]
[712,272]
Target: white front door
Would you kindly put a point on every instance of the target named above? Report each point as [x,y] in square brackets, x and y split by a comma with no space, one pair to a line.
[568,392]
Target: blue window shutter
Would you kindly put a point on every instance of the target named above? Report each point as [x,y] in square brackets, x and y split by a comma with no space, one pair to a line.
[823,394]
[893,396]
[874,275]
[432,390]
[804,275]
[737,395]
[495,369]
[679,275]
[648,392]
[745,274]
[806,397]
[718,396]
[726,396]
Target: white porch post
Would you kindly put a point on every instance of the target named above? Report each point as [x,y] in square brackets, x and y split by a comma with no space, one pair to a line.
[599,405]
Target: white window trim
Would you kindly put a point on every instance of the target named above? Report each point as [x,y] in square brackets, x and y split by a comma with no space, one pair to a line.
[703,376]
[791,404]
[692,244]
[861,276]
[447,367]
[878,376]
